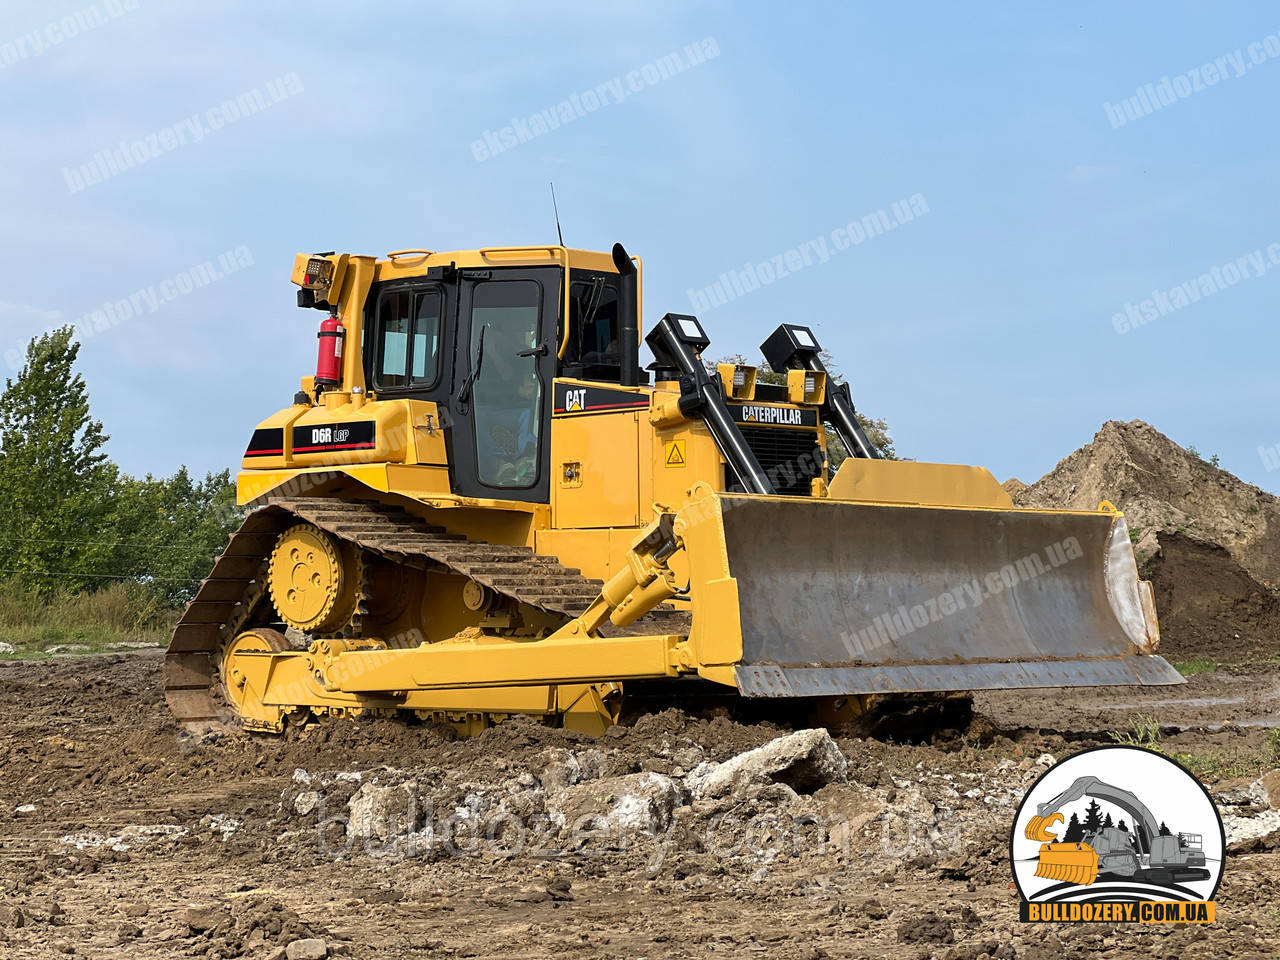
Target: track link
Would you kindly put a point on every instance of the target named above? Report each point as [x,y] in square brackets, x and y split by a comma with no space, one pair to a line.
[236,587]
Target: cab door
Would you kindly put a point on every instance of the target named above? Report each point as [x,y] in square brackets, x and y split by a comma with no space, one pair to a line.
[504,365]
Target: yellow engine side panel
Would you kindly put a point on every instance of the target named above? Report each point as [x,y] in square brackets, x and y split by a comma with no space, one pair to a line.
[595,468]
[676,457]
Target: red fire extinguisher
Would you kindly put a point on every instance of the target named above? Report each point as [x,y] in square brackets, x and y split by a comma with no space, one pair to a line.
[329,364]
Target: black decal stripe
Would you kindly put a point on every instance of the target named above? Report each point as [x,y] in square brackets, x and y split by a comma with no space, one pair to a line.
[593,400]
[604,408]
[266,442]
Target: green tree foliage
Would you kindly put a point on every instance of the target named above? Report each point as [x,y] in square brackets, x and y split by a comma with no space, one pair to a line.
[168,530]
[72,521]
[57,481]
[877,429]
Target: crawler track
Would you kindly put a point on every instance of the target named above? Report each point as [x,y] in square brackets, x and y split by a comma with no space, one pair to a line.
[235,590]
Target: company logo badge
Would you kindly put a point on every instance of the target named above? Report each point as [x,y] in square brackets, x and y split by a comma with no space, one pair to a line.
[1117,834]
[786,416]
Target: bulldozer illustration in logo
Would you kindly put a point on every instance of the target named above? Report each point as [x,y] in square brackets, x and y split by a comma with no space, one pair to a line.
[1143,841]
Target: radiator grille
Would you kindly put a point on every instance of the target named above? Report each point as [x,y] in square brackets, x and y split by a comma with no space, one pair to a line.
[791,458]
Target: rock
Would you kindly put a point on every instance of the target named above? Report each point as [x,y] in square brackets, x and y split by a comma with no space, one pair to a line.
[560,889]
[202,917]
[127,931]
[305,802]
[567,768]
[805,761]
[927,928]
[1240,830]
[139,909]
[12,916]
[1271,784]
[309,949]
[637,802]
[26,810]
[220,824]
[383,812]
[7,648]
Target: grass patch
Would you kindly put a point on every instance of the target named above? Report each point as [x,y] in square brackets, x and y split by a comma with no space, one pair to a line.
[1197,665]
[1145,732]
[116,617]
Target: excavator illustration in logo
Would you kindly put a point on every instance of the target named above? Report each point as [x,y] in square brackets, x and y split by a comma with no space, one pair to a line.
[1144,841]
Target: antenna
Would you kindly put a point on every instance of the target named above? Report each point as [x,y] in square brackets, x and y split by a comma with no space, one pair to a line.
[557,210]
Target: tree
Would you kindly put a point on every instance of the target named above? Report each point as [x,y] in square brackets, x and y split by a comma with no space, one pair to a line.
[877,430]
[1123,826]
[1106,822]
[1074,832]
[168,530]
[1093,817]
[1164,830]
[72,521]
[57,481]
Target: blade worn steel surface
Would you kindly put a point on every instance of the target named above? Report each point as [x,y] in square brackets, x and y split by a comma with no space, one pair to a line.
[887,598]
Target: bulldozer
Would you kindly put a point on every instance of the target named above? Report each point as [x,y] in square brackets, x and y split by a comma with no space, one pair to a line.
[1145,855]
[481,505]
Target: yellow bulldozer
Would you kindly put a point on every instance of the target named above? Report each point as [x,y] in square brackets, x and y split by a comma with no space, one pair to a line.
[481,505]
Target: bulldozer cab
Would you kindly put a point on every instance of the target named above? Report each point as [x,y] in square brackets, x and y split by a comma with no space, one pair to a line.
[487,345]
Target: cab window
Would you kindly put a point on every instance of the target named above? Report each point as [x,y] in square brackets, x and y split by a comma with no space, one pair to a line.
[408,345]
[508,392]
[593,349]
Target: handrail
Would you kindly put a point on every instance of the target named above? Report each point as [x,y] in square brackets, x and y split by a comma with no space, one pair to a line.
[404,253]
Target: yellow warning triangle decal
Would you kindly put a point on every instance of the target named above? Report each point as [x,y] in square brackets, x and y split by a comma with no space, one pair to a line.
[675,454]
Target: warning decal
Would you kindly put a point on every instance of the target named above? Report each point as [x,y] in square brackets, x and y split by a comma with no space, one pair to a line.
[675,453]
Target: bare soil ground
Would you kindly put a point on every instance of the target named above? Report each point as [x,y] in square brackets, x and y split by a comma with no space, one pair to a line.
[145,843]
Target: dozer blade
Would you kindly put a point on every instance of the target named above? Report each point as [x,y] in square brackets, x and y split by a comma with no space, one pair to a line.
[840,597]
[1068,862]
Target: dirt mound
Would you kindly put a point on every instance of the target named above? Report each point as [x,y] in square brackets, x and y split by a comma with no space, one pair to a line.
[1162,487]
[1209,605]
[1208,541]
[1014,487]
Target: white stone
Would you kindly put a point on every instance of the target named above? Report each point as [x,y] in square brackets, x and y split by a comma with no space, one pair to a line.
[383,812]
[805,760]
[635,803]
[309,949]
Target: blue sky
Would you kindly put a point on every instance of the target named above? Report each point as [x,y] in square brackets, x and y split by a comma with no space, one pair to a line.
[983,330]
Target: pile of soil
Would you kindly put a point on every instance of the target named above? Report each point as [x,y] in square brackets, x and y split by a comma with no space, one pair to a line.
[1208,541]
[1208,604]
